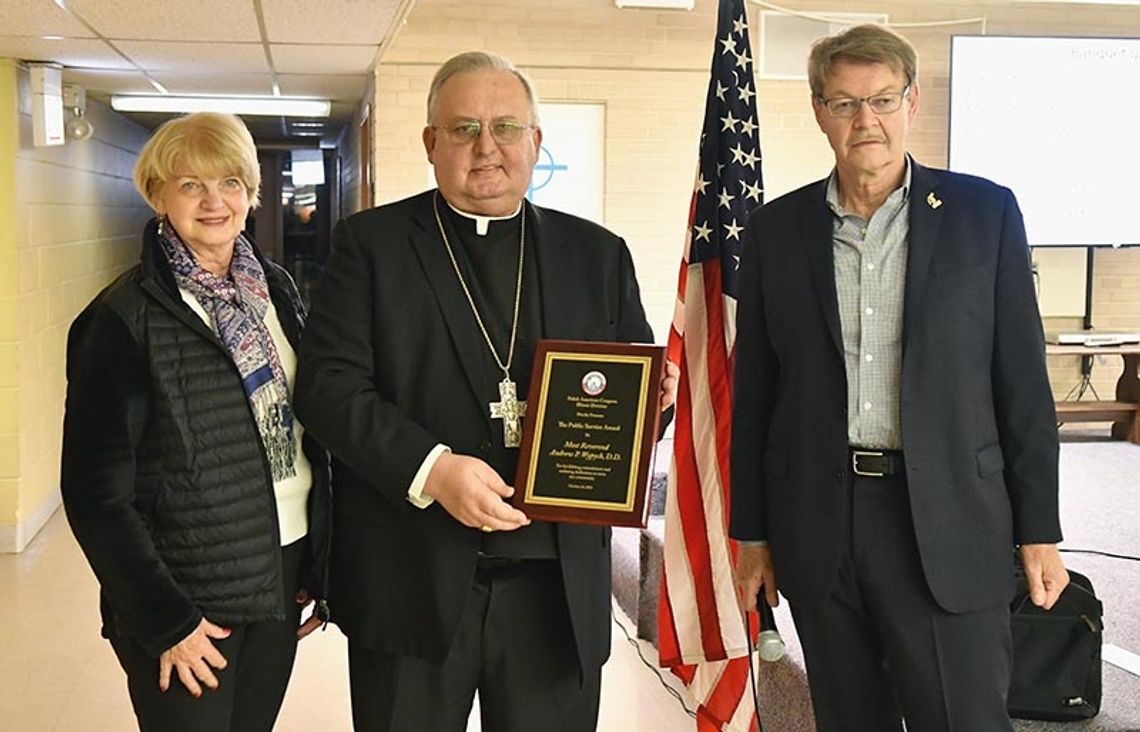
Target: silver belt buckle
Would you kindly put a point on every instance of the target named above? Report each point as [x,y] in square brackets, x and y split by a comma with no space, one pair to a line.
[856,454]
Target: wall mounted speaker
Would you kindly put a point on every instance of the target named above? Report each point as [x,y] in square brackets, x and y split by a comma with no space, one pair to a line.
[47,104]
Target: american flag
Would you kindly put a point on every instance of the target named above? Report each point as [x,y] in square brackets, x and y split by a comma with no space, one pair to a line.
[701,635]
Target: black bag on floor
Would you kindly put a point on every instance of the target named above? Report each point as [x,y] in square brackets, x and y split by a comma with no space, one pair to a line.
[1056,653]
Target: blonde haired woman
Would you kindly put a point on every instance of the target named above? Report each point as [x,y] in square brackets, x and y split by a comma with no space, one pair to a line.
[195,494]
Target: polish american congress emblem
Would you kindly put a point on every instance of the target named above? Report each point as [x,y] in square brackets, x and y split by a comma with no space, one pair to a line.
[594,383]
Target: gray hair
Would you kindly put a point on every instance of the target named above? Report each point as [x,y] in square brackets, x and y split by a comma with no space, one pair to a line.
[864,44]
[478,61]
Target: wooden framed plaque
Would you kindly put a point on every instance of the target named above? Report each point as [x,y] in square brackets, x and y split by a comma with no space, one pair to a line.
[590,432]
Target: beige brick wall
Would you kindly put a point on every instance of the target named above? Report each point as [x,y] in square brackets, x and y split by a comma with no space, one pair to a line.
[1116,306]
[9,330]
[72,224]
[650,68]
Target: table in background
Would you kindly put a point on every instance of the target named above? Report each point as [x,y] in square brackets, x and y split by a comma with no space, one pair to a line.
[1124,411]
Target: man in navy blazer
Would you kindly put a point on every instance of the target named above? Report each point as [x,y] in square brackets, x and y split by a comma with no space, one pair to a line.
[894,437]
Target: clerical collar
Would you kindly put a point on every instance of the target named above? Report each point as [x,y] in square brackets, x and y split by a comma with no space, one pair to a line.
[482,222]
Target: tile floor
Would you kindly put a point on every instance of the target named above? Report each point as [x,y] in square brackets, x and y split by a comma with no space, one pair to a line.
[58,675]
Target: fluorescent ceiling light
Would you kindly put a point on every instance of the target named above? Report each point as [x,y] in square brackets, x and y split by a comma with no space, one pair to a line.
[268,106]
[1082,2]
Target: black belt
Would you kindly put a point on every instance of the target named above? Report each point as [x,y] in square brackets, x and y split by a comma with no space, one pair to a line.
[875,463]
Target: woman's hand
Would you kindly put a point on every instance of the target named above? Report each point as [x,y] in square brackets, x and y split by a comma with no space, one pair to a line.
[315,620]
[192,657]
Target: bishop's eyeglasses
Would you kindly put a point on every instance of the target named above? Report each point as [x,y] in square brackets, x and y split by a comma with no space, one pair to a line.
[880,104]
[503,131]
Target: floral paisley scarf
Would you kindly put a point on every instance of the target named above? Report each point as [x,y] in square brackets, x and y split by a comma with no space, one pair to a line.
[237,304]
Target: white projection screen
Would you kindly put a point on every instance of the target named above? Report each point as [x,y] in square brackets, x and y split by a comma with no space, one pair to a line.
[1057,120]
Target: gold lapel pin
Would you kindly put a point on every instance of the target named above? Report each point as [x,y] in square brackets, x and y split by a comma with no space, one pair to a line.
[932,200]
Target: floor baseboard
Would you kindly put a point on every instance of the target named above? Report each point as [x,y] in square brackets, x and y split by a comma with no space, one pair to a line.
[13,539]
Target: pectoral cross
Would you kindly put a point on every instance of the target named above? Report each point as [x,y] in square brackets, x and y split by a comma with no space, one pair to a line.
[511,411]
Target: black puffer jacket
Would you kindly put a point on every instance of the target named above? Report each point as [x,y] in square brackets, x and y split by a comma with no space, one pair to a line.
[164,479]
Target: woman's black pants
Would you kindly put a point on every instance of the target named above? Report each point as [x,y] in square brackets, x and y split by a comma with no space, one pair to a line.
[250,689]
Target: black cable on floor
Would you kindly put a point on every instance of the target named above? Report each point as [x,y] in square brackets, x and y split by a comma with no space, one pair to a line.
[652,667]
[752,672]
[1099,553]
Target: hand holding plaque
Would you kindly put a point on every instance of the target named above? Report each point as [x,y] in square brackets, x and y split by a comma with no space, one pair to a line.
[590,432]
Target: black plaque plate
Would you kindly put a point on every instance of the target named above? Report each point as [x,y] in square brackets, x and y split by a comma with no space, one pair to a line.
[590,432]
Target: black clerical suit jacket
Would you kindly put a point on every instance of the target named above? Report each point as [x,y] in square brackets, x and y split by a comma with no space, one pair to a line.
[978,424]
[393,363]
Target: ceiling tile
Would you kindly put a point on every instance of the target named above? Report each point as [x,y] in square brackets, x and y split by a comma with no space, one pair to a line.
[202,20]
[197,58]
[238,84]
[203,45]
[347,87]
[40,18]
[302,59]
[338,21]
[109,82]
[84,52]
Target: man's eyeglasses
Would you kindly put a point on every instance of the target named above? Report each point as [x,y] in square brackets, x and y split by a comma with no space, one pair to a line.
[880,104]
[504,132]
